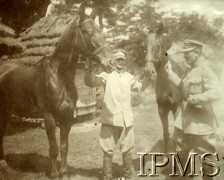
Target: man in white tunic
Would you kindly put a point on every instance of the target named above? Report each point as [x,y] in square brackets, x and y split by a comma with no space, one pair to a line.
[116,116]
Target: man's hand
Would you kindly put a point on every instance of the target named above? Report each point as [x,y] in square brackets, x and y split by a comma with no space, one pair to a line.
[172,76]
[168,67]
[150,70]
[88,66]
[192,99]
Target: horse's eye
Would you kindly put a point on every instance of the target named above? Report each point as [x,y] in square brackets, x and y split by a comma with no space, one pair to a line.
[83,29]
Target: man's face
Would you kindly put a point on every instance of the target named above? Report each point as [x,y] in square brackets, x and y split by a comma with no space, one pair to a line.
[191,57]
[119,63]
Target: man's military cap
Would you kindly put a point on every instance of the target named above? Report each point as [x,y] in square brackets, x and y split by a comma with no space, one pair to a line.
[120,54]
[190,45]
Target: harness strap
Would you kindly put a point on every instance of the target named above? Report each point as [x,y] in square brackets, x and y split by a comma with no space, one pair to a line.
[96,51]
[83,40]
[156,61]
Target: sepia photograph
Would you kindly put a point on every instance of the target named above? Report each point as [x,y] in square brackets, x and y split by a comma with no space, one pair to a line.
[111,89]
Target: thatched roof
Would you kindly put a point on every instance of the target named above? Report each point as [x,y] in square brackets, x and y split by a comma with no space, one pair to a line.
[6,31]
[41,38]
[8,45]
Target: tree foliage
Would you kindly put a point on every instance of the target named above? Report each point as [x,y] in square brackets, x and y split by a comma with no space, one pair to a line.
[128,30]
[20,14]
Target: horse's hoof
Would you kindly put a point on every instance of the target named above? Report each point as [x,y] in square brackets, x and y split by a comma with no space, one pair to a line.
[64,177]
[3,164]
[7,172]
[55,178]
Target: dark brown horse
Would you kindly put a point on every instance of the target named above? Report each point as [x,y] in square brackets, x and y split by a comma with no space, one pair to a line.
[168,96]
[49,86]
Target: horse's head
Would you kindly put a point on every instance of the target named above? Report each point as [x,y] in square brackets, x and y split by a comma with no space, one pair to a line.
[154,50]
[89,39]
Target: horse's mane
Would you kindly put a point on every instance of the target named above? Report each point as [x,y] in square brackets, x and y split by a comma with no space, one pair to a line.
[65,37]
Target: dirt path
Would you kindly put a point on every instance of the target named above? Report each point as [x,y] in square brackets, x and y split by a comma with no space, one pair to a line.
[27,151]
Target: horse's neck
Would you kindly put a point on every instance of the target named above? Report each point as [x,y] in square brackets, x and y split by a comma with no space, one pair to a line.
[65,57]
[160,65]
[64,65]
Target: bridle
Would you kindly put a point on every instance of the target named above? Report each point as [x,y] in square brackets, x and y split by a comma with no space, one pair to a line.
[79,32]
[157,60]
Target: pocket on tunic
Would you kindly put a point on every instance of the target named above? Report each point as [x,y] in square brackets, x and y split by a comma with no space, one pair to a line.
[195,86]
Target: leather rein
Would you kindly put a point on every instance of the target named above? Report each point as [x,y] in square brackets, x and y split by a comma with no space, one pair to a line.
[157,60]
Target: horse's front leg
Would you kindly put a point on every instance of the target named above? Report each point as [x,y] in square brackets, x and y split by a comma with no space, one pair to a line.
[65,127]
[50,127]
[163,114]
[5,117]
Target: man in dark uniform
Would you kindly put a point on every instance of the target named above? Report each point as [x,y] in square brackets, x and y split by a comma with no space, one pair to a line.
[197,119]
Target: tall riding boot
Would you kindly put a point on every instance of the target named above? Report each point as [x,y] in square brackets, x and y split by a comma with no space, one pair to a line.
[127,164]
[107,166]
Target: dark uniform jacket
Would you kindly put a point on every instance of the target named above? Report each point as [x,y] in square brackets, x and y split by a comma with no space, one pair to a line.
[201,117]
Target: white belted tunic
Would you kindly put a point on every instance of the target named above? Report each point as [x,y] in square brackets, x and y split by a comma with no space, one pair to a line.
[116,110]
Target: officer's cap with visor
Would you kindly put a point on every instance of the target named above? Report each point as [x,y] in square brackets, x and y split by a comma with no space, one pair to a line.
[119,54]
[191,45]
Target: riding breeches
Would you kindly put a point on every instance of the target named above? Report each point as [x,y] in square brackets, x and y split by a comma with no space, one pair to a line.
[113,138]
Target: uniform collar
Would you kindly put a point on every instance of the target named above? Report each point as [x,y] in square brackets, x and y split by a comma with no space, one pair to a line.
[119,71]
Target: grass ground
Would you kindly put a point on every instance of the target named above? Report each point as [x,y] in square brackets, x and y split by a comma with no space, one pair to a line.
[27,149]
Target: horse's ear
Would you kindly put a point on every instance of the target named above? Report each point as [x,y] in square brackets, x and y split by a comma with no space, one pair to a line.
[82,12]
[93,14]
[144,30]
[160,29]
